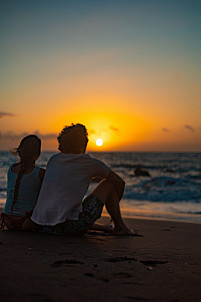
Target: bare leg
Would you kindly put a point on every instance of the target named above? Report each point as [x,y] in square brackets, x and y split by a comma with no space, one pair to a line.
[106,192]
[7,223]
[29,226]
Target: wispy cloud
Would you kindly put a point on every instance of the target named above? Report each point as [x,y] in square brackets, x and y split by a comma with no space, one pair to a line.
[114,128]
[46,135]
[190,128]
[6,114]
[165,129]
[13,136]
[92,131]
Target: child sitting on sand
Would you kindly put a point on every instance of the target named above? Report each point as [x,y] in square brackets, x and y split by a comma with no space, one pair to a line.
[60,207]
[23,186]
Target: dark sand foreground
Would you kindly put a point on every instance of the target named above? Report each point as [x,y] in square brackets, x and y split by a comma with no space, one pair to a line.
[164,265]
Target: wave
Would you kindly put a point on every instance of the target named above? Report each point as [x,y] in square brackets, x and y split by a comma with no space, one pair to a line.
[193,172]
[164,189]
[173,176]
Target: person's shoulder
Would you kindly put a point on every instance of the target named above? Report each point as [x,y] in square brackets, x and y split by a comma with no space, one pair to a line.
[98,163]
[95,160]
[86,155]
[51,160]
[99,168]
[54,157]
[89,156]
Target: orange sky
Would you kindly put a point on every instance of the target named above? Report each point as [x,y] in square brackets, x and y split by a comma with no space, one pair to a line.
[130,73]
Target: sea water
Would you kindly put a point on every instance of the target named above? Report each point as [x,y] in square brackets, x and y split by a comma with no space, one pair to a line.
[172,190]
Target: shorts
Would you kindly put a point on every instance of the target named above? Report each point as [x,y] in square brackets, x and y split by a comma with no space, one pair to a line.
[91,211]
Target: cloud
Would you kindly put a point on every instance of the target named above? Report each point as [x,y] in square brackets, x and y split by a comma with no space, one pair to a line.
[114,128]
[5,114]
[46,135]
[92,131]
[13,136]
[190,128]
[165,129]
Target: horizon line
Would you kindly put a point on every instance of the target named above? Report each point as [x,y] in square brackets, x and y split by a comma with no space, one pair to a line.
[122,151]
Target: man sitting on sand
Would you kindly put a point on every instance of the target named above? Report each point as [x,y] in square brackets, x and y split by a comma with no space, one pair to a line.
[61,207]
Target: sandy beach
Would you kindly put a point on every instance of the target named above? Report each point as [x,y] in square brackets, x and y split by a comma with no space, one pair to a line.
[163,265]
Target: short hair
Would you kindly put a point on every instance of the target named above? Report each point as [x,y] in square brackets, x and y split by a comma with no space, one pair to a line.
[73,139]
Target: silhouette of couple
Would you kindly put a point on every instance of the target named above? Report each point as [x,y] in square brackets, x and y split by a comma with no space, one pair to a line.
[53,201]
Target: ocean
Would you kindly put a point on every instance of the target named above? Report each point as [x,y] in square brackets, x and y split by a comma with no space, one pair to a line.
[172,191]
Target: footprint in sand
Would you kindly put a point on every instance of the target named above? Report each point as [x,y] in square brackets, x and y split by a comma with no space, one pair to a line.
[153,263]
[118,259]
[65,262]
[122,275]
[137,298]
[89,275]
[101,279]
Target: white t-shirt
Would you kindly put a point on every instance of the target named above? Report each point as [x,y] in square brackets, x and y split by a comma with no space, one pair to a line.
[65,184]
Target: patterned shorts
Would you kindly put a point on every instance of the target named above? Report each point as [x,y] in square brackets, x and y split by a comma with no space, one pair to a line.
[91,210]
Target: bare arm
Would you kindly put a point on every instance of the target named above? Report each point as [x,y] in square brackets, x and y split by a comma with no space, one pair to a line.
[117,182]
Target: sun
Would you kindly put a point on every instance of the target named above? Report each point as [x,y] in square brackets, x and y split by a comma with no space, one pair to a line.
[99,142]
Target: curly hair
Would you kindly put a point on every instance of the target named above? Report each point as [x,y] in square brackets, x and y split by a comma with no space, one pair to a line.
[73,139]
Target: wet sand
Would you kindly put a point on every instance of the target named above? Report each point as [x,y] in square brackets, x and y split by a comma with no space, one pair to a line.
[164,265]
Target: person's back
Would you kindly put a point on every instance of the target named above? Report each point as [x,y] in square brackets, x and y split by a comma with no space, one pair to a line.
[61,207]
[65,184]
[28,192]
[24,181]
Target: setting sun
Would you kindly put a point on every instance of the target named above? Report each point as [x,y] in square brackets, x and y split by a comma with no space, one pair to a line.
[99,142]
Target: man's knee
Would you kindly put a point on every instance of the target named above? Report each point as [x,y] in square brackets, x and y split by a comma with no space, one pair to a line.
[104,190]
[107,185]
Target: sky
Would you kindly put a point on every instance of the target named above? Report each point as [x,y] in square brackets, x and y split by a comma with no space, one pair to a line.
[130,70]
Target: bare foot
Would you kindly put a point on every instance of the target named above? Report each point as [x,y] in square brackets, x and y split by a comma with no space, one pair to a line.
[107,228]
[125,231]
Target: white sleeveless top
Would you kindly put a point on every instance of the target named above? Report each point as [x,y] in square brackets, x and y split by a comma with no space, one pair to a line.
[65,184]
[29,189]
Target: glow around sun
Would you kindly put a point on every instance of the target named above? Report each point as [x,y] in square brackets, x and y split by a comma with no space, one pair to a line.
[99,142]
